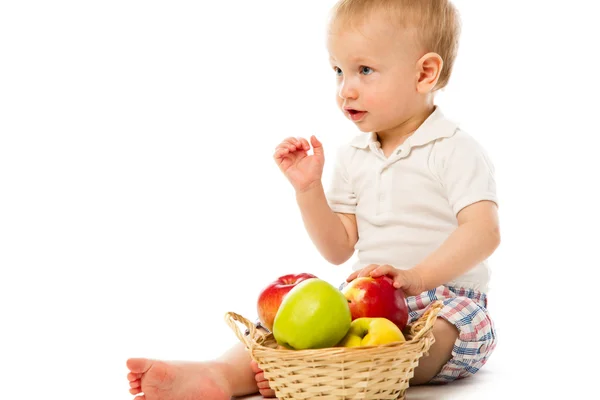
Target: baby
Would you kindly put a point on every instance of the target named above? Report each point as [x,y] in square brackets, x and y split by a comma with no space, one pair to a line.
[413,195]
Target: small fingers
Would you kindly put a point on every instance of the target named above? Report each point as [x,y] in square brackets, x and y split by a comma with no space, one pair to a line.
[289,148]
[294,144]
[300,143]
[391,272]
[286,145]
[382,270]
[291,141]
[280,153]
[305,144]
[366,271]
[363,272]
[352,276]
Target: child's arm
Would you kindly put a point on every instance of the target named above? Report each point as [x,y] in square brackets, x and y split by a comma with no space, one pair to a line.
[475,239]
[334,234]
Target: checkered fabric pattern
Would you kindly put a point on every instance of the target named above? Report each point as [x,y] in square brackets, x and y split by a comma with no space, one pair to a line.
[465,309]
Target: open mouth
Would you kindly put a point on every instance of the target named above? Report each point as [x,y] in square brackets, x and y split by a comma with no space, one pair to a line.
[356,115]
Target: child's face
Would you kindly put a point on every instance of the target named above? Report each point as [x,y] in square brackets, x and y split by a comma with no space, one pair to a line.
[376,73]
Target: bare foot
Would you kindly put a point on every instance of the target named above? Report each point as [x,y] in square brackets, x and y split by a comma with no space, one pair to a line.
[158,380]
[261,382]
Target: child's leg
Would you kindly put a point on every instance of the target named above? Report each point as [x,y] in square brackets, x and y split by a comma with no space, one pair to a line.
[238,370]
[229,375]
[463,331]
[440,352]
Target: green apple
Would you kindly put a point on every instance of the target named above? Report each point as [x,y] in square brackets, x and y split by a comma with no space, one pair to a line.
[313,315]
[370,332]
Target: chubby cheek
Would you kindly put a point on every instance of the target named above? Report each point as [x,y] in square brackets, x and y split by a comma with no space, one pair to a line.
[374,102]
[391,106]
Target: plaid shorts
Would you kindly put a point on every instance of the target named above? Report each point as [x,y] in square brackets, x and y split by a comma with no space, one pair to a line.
[465,309]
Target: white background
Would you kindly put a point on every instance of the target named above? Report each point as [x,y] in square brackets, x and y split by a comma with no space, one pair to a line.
[139,200]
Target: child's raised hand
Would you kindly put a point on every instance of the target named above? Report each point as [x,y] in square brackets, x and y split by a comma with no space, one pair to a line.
[404,279]
[301,169]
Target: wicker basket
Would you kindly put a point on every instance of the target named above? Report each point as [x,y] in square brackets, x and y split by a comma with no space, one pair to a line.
[335,373]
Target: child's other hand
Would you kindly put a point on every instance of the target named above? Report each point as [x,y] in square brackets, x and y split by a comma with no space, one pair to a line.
[302,170]
[407,280]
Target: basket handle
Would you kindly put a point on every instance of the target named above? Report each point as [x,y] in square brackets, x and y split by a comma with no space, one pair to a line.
[425,323]
[232,318]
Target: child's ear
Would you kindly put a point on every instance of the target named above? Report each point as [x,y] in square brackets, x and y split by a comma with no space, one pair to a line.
[429,68]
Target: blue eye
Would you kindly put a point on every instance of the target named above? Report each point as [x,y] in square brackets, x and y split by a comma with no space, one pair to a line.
[366,70]
[338,71]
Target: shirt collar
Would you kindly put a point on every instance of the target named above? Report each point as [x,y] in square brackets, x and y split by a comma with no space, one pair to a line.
[436,126]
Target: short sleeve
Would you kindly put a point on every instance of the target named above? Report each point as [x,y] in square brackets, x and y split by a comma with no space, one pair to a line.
[340,195]
[466,172]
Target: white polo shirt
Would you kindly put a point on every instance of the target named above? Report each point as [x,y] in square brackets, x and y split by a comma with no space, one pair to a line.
[406,205]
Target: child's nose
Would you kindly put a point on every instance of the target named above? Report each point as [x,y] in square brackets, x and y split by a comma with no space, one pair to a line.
[347,90]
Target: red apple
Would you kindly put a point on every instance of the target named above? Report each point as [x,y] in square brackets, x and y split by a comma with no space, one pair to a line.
[271,296]
[377,298]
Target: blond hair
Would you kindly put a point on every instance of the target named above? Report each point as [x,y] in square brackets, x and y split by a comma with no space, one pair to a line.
[436,23]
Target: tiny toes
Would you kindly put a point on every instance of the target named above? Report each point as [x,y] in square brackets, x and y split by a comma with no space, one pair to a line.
[135,391]
[267,393]
[263,385]
[139,365]
[133,377]
[135,384]
[255,367]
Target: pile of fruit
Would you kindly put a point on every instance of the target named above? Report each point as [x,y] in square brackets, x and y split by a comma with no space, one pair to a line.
[305,312]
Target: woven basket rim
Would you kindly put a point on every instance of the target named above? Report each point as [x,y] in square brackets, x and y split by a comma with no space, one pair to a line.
[253,344]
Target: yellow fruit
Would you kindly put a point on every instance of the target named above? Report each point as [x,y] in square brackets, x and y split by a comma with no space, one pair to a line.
[370,332]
